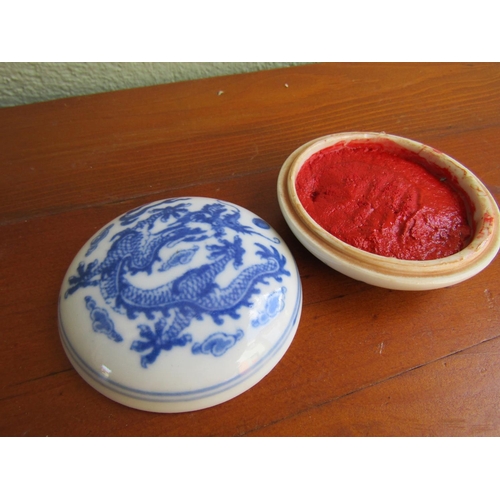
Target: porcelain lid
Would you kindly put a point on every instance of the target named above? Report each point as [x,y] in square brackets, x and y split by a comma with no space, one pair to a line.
[180,305]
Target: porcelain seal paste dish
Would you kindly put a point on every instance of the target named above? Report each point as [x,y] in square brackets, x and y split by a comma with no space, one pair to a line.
[180,305]
[384,271]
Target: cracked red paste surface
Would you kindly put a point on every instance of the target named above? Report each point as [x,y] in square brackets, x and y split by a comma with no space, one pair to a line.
[385,200]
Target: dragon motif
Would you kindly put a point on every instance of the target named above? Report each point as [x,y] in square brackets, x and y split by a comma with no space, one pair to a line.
[170,307]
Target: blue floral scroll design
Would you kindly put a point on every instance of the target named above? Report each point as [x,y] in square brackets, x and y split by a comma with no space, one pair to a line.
[166,311]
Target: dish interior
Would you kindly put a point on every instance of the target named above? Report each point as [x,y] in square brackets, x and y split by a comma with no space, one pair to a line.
[386,200]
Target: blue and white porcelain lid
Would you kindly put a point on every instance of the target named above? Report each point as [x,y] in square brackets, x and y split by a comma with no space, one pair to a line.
[180,305]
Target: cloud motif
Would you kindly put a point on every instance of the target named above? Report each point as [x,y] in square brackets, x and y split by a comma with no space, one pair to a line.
[217,343]
[95,242]
[101,322]
[274,305]
[180,257]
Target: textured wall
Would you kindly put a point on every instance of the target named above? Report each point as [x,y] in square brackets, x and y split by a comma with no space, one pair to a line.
[24,83]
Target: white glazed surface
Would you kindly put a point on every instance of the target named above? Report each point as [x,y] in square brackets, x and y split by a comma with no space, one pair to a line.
[180,305]
[389,272]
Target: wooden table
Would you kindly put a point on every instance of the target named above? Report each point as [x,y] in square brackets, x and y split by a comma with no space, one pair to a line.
[365,361]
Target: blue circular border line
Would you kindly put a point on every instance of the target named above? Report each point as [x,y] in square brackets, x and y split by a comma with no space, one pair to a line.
[174,397]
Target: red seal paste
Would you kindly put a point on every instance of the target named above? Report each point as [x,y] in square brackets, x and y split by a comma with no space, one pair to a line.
[385,200]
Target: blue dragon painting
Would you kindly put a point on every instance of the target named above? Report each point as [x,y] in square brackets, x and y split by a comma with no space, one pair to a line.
[199,241]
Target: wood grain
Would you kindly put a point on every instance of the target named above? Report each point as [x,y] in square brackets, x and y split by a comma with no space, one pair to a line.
[365,361]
